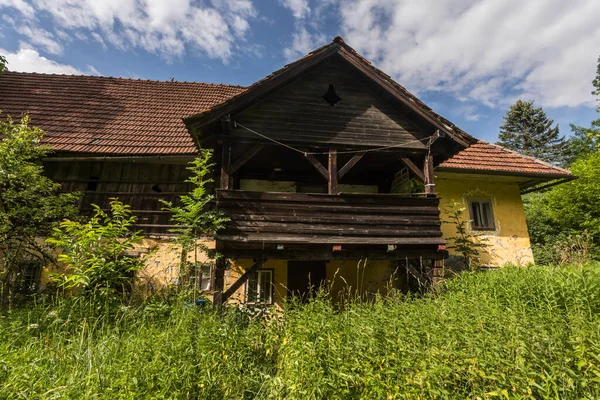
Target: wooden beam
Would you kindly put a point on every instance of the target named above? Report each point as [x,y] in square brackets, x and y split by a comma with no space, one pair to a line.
[428,172]
[332,178]
[348,166]
[413,167]
[317,164]
[221,264]
[239,163]
[225,164]
[242,279]
[317,254]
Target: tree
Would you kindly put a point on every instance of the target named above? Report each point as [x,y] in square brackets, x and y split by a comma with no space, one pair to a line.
[568,209]
[196,220]
[30,203]
[2,64]
[528,130]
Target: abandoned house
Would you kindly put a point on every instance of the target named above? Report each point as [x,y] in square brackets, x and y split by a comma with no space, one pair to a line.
[329,170]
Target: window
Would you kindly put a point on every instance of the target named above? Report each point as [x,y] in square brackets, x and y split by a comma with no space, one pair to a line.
[482,215]
[259,288]
[30,276]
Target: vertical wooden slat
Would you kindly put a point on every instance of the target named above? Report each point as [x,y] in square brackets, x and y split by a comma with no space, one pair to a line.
[225,162]
[333,172]
[428,173]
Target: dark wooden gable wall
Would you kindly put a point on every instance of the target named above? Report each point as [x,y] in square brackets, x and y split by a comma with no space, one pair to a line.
[299,114]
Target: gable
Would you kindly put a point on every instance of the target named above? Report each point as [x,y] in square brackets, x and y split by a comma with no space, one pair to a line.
[298,113]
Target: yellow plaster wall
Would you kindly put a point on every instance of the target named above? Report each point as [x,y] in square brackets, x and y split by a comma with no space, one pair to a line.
[510,240]
[359,277]
[238,267]
[162,258]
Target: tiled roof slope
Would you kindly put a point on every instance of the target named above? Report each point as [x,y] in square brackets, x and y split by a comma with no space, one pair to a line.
[485,157]
[112,116]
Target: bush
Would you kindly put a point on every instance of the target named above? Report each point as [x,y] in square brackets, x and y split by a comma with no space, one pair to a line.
[95,252]
[513,333]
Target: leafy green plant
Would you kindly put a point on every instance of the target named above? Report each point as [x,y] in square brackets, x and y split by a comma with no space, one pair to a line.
[196,219]
[469,245]
[523,333]
[31,205]
[95,252]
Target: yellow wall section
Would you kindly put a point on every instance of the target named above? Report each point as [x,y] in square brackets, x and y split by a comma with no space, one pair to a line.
[510,240]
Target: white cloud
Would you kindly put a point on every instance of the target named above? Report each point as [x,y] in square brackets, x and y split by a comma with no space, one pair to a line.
[303,42]
[489,51]
[29,60]
[20,5]
[40,37]
[299,8]
[167,28]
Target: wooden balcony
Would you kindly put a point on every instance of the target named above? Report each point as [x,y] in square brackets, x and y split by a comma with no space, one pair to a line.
[382,225]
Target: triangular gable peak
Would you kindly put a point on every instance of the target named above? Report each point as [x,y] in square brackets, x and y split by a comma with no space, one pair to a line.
[293,105]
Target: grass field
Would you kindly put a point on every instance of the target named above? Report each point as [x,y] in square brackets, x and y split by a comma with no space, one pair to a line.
[513,333]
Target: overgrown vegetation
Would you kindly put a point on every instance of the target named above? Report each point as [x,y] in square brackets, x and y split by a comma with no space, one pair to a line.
[197,221]
[469,245]
[515,333]
[30,203]
[94,253]
[564,222]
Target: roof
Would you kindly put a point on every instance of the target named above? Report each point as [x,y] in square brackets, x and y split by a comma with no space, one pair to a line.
[484,157]
[339,47]
[117,116]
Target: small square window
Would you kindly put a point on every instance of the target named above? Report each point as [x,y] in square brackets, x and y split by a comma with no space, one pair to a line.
[260,287]
[482,215]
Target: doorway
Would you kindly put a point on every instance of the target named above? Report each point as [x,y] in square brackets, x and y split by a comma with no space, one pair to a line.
[305,278]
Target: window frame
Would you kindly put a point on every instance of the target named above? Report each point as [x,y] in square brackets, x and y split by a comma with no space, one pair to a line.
[479,203]
[271,285]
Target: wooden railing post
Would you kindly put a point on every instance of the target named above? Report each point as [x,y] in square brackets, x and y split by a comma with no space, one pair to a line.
[225,163]
[428,174]
[333,172]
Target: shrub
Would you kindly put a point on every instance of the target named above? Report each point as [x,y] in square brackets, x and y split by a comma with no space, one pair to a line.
[95,252]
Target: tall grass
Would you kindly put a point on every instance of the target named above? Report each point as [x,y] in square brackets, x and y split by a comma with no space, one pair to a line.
[513,333]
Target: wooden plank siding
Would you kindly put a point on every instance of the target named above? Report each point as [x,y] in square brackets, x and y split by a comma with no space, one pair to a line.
[316,219]
[298,113]
[140,184]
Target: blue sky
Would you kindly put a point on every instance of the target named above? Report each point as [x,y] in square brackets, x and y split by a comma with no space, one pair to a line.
[469,60]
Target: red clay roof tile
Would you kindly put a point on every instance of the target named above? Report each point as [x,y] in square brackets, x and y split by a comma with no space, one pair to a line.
[487,157]
[115,116]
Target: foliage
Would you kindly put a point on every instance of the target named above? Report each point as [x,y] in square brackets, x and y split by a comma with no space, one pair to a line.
[566,210]
[195,218]
[469,245]
[2,64]
[528,333]
[528,130]
[583,142]
[30,203]
[94,252]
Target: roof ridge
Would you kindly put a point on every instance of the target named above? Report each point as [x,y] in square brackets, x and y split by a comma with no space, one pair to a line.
[6,73]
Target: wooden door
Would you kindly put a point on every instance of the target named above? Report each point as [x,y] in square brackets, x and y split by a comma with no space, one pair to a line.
[305,277]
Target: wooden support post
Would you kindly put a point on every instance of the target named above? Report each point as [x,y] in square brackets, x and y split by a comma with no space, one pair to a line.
[242,279]
[333,172]
[344,170]
[225,164]
[221,264]
[428,172]
[413,167]
[438,272]
[322,170]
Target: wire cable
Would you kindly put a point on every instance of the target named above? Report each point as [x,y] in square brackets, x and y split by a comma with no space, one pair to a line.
[236,124]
